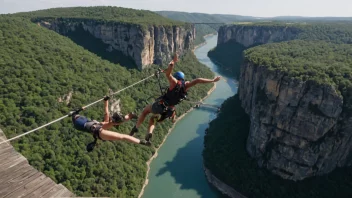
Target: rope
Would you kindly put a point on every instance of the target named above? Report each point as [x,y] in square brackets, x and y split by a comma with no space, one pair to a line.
[31,131]
[63,117]
[157,74]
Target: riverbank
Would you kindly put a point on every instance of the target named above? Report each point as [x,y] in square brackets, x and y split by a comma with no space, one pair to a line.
[204,43]
[173,126]
[221,186]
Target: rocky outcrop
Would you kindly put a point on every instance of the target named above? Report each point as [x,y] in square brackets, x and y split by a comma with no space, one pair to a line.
[221,186]
[66,98]
[251,35]
[146,46]
[298,128]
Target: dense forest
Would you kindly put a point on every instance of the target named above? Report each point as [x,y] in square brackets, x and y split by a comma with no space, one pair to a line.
[319,61]
[202,17]
[316,61]
[228,160]
[105,14]
[39,66]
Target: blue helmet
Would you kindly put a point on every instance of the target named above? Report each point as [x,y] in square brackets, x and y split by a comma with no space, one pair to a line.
[179,75]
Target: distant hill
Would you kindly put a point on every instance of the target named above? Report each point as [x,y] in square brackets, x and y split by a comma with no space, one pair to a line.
[204,29]
[202,17]
[317,19]
[103,13]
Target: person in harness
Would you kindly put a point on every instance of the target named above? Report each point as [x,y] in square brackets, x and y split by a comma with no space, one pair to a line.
[99,130]
[164,106]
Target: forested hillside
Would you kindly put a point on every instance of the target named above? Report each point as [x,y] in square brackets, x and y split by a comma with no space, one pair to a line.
[39,66]
[202,17]
[318,61]
[104,13]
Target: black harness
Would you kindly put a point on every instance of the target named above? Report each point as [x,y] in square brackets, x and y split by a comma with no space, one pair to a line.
[176,95]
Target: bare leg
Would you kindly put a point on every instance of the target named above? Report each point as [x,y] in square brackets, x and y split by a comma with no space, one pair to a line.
[153,119]
[141,118]
[152,122]
[174,118]
[110,135]
[108,125]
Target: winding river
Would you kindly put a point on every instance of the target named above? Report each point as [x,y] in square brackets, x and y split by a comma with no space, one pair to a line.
[178,169]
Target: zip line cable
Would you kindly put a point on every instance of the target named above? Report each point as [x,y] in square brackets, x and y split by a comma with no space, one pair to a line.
[63,117]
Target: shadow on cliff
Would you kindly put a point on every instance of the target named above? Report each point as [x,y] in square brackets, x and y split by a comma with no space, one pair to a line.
[96,46]
[228,57]
[187,165]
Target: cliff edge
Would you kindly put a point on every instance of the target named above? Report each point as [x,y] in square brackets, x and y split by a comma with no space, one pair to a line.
[299,107]
[144,36]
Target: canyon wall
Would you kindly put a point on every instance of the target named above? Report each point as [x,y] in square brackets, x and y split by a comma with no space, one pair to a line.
[145,45]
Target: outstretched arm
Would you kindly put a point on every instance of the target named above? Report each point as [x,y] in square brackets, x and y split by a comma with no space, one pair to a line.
[172,80]
[106,109]
[200,81]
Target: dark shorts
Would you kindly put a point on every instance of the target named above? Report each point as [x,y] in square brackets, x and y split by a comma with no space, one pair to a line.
[157,108]
[95,130]
[79,122]
[83,124]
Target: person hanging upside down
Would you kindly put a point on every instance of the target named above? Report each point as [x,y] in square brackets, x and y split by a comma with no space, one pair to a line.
[99,130]
[164,106]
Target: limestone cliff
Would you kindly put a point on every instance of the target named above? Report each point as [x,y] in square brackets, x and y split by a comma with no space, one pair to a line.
[298,128]
[249,35]
[146,46]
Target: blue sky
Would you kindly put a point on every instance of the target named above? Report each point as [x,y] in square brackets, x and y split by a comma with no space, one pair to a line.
[263,8]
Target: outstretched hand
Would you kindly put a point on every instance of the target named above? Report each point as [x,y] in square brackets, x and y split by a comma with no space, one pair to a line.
[106,98]
[175,59]
[216,79]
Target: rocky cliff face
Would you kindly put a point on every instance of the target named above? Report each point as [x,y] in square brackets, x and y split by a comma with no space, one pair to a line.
[154,45]
[298,129]
[255,35]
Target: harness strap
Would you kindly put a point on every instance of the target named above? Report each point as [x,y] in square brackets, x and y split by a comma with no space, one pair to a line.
[166,106]
[94,129]
[169,113]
